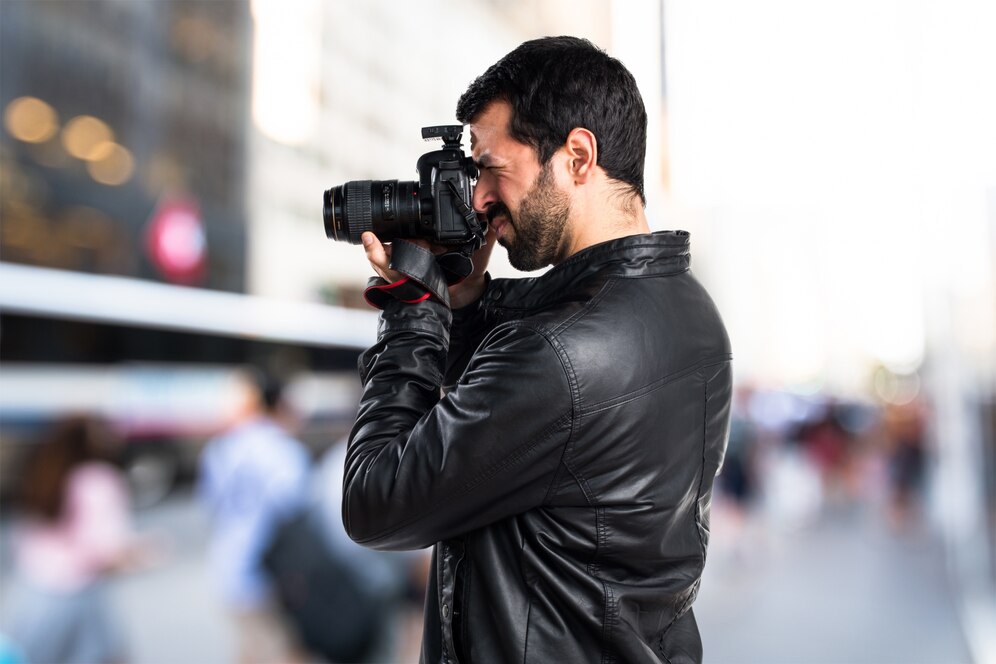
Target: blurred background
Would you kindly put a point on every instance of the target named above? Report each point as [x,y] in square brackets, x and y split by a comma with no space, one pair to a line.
[161,167]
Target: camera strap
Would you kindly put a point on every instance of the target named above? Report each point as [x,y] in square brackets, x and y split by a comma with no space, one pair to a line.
[456,265]
[472,221]
[422,278]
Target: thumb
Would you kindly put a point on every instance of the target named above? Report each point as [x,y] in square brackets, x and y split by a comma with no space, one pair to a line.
[375,250]
[379,259]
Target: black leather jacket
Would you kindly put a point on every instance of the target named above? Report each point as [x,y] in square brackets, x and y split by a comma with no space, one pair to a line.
[566,475]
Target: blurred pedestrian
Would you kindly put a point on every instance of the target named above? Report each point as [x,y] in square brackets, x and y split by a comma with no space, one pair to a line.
[397,579]
[75,532]
[738,476]
[252,477]
[905,430]
[738,480]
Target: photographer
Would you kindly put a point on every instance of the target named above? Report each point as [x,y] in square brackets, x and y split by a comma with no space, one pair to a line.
[566,474]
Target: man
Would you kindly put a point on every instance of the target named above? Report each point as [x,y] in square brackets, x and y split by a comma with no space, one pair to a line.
[565,477]
[251,477]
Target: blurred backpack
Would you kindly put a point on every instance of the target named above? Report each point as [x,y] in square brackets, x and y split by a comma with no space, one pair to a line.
[335,615]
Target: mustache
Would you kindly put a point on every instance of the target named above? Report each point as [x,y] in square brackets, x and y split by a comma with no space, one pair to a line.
[497,210]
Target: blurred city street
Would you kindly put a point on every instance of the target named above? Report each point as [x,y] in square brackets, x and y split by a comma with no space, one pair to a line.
[169,613]
[162,247]
[842,589]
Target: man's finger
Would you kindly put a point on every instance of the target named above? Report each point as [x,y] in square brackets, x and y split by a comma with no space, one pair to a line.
[379,257]
[375,253]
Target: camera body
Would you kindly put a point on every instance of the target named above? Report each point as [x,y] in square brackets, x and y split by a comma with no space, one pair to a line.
[437,207]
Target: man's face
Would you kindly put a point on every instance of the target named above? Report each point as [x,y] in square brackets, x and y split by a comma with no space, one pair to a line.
[526,209]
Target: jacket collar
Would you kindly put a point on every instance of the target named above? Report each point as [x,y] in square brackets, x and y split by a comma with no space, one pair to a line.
[654,254]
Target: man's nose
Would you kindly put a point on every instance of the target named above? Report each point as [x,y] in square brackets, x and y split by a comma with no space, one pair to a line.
[484,196]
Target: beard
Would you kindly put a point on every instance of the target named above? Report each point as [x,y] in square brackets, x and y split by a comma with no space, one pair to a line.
[539,226]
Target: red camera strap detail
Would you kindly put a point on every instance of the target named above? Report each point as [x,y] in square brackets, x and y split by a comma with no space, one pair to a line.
[405,289]
[378,292]
[399,282]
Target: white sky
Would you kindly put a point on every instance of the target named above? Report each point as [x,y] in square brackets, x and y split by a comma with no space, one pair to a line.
[842,153]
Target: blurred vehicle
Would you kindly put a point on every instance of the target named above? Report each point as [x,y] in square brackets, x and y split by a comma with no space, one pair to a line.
[157,362]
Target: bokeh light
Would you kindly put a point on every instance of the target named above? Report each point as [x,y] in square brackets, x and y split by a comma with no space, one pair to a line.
[84,137]
[115,166]
[31,120]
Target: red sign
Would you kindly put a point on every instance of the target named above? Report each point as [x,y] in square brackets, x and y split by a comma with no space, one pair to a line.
[176,242]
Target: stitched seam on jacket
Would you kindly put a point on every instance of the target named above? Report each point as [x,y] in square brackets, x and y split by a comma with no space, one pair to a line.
[593,563]
[572,381]
[525,647]
[571,377]
[698,530]
[657,384]
[573,415]
[605,289]
[608,622]
[552,337]
[592,568]
[555,480]
[705,441]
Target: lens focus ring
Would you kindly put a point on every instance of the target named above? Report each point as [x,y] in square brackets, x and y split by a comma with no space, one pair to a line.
[358,210]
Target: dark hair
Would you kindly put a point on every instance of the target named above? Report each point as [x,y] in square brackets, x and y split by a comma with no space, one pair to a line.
[70,442]
[272,392]
[556,84]
[269,386]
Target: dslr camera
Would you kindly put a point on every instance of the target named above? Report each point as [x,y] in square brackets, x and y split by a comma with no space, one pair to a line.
[436,208]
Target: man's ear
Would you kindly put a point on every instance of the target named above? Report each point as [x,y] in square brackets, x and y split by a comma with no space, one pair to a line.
[582,154]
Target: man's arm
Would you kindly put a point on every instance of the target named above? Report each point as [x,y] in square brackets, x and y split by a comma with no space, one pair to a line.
[420,468]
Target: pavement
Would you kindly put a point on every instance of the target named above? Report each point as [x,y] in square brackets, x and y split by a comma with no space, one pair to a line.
[842,588]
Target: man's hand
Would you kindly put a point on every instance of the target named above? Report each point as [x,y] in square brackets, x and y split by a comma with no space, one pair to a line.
[466,292]
[471,289]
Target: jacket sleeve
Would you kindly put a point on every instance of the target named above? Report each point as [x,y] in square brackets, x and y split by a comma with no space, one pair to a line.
[421,468]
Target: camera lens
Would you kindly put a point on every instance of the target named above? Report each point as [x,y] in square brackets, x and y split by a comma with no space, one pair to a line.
[389,208]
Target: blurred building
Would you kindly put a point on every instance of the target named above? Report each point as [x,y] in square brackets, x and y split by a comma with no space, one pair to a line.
[124,142]
[123,231]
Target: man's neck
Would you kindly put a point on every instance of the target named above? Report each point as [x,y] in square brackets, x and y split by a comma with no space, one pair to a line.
[602,223]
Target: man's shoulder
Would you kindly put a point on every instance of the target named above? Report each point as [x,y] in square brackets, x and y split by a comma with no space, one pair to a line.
[599,294]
